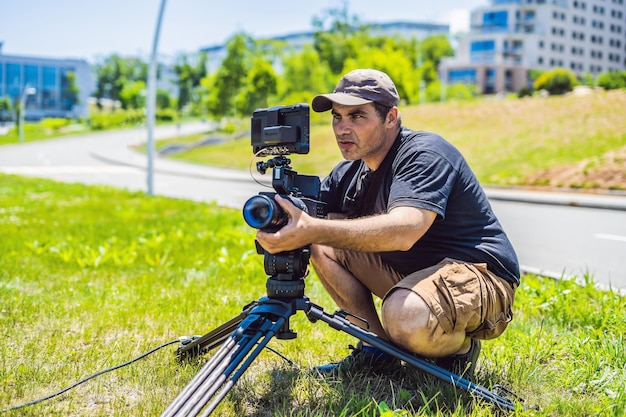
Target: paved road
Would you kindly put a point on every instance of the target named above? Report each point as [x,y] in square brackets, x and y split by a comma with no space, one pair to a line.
[108,158]
[557,234]
[567,241]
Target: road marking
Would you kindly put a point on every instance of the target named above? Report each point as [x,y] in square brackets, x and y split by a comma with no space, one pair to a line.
[68,169]
[610,237]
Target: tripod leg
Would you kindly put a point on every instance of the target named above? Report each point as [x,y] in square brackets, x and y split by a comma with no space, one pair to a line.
[340,322]
[214,338]
[230,361]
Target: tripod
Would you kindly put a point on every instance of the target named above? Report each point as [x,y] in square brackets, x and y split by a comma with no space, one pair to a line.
[244,337]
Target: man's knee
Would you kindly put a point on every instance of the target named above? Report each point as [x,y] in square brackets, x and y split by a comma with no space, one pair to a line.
[406,318]
[321,256]
[410,323]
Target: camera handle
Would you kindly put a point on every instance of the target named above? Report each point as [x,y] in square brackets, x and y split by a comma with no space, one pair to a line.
[252,330]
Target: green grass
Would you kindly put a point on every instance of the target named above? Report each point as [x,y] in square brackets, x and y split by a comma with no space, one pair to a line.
[93,276]
[504,141]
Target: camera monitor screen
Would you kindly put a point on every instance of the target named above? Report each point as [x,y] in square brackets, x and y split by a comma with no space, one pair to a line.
[281,129]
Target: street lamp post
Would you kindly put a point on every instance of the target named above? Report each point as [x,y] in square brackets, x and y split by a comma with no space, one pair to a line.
[151,104]
[28,91]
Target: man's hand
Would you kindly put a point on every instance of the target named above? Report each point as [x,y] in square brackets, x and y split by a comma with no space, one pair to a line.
[292,235]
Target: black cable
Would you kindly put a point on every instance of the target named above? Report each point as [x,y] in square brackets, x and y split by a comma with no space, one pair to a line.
[285,358]
[184,340]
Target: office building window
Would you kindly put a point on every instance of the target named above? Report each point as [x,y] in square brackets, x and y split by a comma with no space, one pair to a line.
[464,76]
[48,87]
[67,97]
[14,81]
[483,46]
[495,21]
[31,79]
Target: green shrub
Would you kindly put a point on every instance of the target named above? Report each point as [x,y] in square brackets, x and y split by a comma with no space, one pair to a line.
[165,115]
[54,124]
[612,80]
[525,91]
[556,81]
[122,118]
[461,92]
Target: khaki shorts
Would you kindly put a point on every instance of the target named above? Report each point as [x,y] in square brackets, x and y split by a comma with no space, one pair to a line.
[461,295]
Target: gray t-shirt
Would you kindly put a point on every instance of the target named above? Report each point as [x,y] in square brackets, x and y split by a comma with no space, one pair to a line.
[423,170]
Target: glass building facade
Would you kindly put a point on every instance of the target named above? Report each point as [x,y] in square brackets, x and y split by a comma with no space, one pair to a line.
[51,81]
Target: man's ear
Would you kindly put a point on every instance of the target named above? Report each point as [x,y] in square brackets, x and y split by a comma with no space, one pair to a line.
[392,116]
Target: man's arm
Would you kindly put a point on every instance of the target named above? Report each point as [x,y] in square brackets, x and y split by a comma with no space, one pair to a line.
[397,230]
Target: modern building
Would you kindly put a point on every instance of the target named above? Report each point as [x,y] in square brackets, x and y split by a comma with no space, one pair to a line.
[509,38]
[295,41]
[43,83]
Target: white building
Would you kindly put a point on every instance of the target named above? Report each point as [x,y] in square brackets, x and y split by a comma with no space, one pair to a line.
[508,38]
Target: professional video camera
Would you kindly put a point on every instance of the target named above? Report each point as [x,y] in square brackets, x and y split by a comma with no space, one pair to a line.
[280,131]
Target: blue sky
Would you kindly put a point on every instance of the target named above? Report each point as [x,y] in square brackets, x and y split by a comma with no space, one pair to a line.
[93,29]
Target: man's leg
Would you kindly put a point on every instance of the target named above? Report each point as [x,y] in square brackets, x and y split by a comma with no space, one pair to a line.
[436,311]
[411,325]
[345,289]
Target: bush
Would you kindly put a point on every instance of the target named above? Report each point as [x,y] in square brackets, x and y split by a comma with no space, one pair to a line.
[165,115]
[612,80]
[461,92]
[103,121]
[525,91]
[54,124]
[556,81]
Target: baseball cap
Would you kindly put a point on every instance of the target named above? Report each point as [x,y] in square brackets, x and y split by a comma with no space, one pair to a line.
[358,87]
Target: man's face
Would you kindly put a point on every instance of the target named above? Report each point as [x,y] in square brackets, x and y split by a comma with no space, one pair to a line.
[360,133]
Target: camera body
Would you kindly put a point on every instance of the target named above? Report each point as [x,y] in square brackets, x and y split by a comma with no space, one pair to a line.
[280,131]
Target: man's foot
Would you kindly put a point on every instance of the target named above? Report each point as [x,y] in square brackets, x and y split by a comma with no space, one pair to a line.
[365,359]
[462,364]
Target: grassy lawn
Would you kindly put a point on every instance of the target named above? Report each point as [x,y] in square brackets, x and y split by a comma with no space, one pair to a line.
[504,141]
[91,277]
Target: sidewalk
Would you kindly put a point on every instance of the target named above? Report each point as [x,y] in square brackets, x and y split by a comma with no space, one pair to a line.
[129,157]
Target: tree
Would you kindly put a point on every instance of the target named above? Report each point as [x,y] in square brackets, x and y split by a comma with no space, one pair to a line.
[70,91]
[189,77]
[5,108]
[115,72]
[434,48]
[392,61]
[133,95]
[230,78]
[335,31]
[304,72]
[163,99]
[261,83]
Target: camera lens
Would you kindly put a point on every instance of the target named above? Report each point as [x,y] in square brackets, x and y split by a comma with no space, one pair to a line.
[262,212]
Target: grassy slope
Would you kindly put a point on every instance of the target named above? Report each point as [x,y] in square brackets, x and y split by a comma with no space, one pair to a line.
[93,276]
[504,141]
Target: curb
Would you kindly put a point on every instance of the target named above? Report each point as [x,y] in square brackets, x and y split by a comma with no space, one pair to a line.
[597,201]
